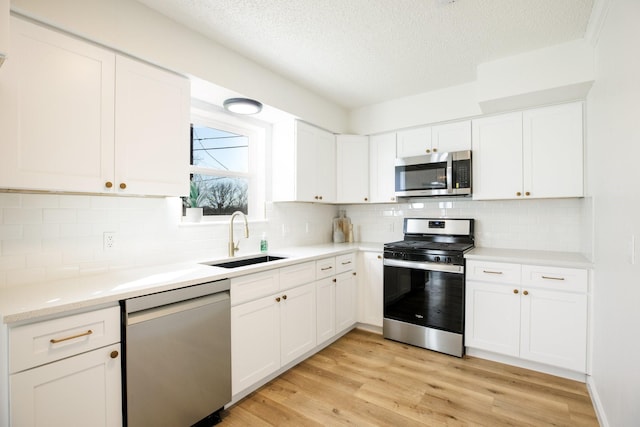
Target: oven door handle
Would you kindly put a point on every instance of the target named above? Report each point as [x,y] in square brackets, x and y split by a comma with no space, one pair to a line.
[430,266]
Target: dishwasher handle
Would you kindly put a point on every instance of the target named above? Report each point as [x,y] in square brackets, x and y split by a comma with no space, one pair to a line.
[167,310]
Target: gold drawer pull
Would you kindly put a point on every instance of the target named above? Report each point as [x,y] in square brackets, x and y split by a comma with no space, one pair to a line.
[326,268]
[552,278]
[491,272]
[346,263]
[58,340]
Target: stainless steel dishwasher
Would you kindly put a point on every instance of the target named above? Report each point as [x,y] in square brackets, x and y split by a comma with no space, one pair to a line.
[177,356]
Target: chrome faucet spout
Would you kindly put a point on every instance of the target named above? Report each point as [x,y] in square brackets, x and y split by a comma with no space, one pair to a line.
[232,246]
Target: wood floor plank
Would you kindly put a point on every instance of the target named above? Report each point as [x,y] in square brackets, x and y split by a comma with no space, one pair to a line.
[365,380]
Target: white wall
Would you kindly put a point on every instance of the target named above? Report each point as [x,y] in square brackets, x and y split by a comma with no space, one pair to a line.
[131,27]
[613,149]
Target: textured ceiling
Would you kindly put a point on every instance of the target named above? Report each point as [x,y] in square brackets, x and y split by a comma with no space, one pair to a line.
[360,52]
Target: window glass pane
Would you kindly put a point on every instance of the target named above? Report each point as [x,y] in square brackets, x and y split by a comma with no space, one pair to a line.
[218,149]
[223,195]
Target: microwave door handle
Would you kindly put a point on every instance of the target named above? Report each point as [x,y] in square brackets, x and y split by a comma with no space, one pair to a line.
[449,174]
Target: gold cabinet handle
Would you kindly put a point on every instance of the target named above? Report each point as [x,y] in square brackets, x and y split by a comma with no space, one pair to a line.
[527,193]
[326,268]
[114,354]
[491,272]
[428,151]
[515,291]
[346,262]
[518,194]
[277,299]
[320,197]
[525,293]
[552,278]
[284,297]
[354,273]
[58,340]
[123,185]
[379,256]
[108,184]
[435,150]
[366,199]
[334,280]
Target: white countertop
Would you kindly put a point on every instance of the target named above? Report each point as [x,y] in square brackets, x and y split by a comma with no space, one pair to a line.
[28,302]
[556,259]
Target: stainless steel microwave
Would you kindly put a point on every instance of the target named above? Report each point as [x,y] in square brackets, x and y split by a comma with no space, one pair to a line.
[438,174]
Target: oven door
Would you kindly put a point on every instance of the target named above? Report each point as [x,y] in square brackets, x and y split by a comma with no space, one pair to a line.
[424,294]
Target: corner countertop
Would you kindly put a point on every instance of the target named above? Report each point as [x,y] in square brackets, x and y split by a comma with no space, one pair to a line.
[531,257]
[19,304]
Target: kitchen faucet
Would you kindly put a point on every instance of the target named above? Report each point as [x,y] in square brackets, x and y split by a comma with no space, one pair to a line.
[234,247]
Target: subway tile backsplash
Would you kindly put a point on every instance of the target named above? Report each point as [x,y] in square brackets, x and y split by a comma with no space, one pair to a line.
[53,236]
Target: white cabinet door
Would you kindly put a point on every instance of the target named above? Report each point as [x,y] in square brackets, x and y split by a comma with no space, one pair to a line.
[553,151]
[56,112]
[451,137]
[497,157]
[152,130]
[304,163]
[325,309]
[346,301]
[297,322]
[255,342]
[80,390]
[370,290]
[382,157]
[493,317]
[413,142]
[352,168]
[554,328]
[326,166]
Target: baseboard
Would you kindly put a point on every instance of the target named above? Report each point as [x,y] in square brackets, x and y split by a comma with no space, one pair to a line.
[534,366]
[597,403]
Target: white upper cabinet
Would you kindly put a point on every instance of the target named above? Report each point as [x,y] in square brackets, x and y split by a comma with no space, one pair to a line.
[352,152]
[451,137]
[434,139]
[56,112]
[304,163]
[76,121]
[553,151]
[382,157]
[413,142]
[152,130]
[531,154]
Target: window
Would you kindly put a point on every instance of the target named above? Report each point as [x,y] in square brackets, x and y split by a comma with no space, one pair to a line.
[227,165]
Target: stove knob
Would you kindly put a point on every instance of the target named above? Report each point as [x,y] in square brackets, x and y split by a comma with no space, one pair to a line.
[437,259]
[448,260]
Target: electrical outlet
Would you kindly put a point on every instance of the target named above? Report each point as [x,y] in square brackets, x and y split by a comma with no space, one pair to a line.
[108,240]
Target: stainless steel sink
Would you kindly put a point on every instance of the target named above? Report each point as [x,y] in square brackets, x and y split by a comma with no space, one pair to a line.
[244,262]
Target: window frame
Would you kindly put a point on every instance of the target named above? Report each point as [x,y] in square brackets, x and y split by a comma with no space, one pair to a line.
[256,175]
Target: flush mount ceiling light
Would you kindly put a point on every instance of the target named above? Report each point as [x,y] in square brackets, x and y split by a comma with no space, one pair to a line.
[242,106]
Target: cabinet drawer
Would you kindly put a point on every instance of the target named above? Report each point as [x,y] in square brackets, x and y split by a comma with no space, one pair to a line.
[298,274]
[555,278]
[253,286]
[496,272]
[345,263]
[325,268]
[38,343]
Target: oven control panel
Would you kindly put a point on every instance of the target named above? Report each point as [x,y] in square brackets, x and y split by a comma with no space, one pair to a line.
[425,257]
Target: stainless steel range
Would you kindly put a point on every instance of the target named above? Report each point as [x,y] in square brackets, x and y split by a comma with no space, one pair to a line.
[424,284]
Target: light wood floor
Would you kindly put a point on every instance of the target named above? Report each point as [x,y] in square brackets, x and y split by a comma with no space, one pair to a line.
[365,380]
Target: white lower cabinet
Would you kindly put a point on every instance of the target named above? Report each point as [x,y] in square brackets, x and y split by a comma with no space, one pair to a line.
[326,309]
[67,371]
[346,301]
[273,330]
[535,313]
[81,390]
[370,290]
